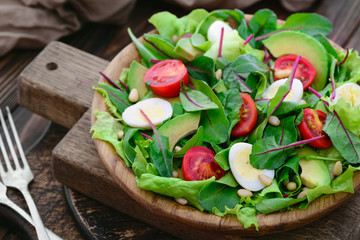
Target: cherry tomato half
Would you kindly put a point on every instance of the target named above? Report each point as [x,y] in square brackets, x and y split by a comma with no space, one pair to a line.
[311,126]
[305,71]
[199,164]
[166,77]
[248,117]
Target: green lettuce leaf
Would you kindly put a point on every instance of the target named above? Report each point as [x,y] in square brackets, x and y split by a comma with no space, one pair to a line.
[106,128]
[174,187]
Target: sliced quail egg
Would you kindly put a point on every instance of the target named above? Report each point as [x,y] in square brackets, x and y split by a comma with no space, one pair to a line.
[349,92]
[214,31]
[245,174]
[156,109]
[295,94]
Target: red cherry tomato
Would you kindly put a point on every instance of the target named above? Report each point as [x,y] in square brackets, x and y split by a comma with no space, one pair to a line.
[199,164]
[311,126]
[305,71]
[248,117]
[166,77]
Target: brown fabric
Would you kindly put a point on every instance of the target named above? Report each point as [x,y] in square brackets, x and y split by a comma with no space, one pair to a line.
[34,23]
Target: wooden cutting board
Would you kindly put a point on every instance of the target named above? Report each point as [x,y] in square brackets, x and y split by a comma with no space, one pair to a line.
[48,87]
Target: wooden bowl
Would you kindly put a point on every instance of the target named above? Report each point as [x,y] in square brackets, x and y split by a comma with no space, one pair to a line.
[168,215]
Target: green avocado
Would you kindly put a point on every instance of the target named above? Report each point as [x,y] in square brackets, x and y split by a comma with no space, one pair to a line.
[291,42]
[179,127]
[314,172]
[136,78]
[185,49]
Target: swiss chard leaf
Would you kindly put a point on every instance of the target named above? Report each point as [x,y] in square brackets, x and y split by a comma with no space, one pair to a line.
[258,132]
[267,154]
[214,121]
[232,101]
[219,196]
[347,143]
[202,68]
[161,156]
[129,150]
[285,133]
[119,98]
[193,100]
[288,170]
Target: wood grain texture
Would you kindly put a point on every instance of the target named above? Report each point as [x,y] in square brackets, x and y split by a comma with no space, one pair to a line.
[167,210]
[48,86]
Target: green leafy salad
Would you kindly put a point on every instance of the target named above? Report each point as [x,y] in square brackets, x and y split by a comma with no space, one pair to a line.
[236,117]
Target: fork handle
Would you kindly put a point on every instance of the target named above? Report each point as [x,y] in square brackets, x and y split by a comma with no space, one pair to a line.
[27,217]
[38,223]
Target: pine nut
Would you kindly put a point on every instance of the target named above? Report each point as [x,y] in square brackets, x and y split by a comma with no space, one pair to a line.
[134,95]
[244,192]
[218,74]
[285,182]
[177,148]
[175,174]
[175,38]
[274,120]
[302,101]
[291,186]
[302,194]
[120,134]
[337,170]
[267,181]
[181,201]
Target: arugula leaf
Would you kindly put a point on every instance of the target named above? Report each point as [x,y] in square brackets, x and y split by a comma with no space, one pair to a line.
[285,133]
[218,195]
[214,121]
[193,100]
[346,142]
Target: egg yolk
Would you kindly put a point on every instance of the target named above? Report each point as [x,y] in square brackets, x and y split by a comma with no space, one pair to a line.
[350,94]
[244,168]
[154,113]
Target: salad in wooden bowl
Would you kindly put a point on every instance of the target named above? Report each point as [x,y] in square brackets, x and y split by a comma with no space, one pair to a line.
[226,123]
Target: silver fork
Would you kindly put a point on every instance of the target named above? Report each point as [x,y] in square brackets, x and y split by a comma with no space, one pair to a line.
[7,202]
[19,177]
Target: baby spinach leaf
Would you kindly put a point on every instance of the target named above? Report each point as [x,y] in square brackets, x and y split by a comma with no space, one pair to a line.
[232,101]
[218,195]
[196,140]
[202,68]
[329,48]
[285,133]
[177,109]
[288,170]
[119,98]
[243,65]
[146,55]
[309,23]
[272,191]
[228,180]
[263,22]
[256,81]
[346,142]
[129,150]
[258,132]
[222,159]
[214,121]
[287,108]
[193,100]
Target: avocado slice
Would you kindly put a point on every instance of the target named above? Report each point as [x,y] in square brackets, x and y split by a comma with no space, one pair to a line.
[179,127]
[291,42]
[136,78]
[185,49]
[314,172]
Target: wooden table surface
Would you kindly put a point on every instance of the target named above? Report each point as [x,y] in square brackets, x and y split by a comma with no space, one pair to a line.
[105,41]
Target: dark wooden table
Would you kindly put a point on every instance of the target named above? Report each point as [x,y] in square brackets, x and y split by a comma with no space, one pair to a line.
[105,41]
